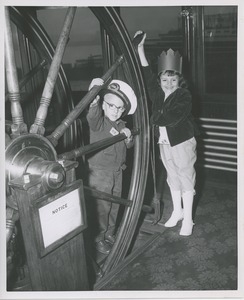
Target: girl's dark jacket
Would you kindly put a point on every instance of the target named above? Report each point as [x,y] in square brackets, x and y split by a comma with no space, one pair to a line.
[174,113]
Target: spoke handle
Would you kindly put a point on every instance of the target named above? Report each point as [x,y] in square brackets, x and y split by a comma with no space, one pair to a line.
[100,195]
[95,146]
[18,127]
[105,196]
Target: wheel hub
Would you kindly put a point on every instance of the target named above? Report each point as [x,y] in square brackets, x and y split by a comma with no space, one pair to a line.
[33,154]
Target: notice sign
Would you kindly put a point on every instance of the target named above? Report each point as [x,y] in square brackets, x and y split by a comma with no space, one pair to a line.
[60,217]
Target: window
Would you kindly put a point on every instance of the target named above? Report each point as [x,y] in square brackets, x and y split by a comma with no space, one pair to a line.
[220,46]
[163,25]
[82,59]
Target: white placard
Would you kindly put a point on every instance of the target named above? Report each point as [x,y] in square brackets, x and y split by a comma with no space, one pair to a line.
[60,217]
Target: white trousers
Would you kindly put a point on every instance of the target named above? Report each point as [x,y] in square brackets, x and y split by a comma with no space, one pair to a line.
[179,163]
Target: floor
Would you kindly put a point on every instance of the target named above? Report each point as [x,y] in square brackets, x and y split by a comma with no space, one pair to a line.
[162,260]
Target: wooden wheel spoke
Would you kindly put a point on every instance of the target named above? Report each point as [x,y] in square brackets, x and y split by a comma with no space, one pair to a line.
[122,49]
[105,196]
[84,102]
[90,192]
[18,127]
[95,146]
[38,126]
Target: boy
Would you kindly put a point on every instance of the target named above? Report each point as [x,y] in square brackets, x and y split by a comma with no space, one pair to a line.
[106,166]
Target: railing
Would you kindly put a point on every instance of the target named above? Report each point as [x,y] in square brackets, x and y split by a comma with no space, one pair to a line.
[217,144]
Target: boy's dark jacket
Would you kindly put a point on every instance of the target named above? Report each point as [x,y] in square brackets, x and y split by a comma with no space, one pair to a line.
[174,113]
[112,157]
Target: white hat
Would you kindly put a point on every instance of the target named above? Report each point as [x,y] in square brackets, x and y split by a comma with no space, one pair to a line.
[124,92]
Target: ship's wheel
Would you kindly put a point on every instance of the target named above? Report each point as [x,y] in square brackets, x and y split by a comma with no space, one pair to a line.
[32,103]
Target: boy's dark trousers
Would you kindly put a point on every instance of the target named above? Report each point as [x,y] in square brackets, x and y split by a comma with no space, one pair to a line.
[104,213]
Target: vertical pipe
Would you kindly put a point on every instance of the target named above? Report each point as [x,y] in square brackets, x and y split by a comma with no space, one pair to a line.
[38,126]
[186,14]
[18,126]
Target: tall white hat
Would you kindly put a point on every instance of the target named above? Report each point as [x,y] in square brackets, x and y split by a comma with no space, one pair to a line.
[124,92]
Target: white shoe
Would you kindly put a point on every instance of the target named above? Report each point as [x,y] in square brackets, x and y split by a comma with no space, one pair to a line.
[174,219]
[186,228]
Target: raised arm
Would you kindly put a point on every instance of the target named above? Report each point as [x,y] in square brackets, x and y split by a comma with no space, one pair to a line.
[94,116]
[140,47]
[153,87]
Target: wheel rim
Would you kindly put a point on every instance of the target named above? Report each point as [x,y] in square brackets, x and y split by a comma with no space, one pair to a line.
[122,45]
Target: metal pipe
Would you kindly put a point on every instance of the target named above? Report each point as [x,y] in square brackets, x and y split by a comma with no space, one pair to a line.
[221,161]
[218,127]
[73,115]
[219,154]
[209,126]
[221,134]
[18,125]
[218,120]
[219,141]
[220,148]
[95,146]
[219,168]
[38,126]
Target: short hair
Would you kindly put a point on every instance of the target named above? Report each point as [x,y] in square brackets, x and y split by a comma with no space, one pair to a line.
[182,81]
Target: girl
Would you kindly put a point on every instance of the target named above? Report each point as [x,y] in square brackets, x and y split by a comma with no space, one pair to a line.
[175,128]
